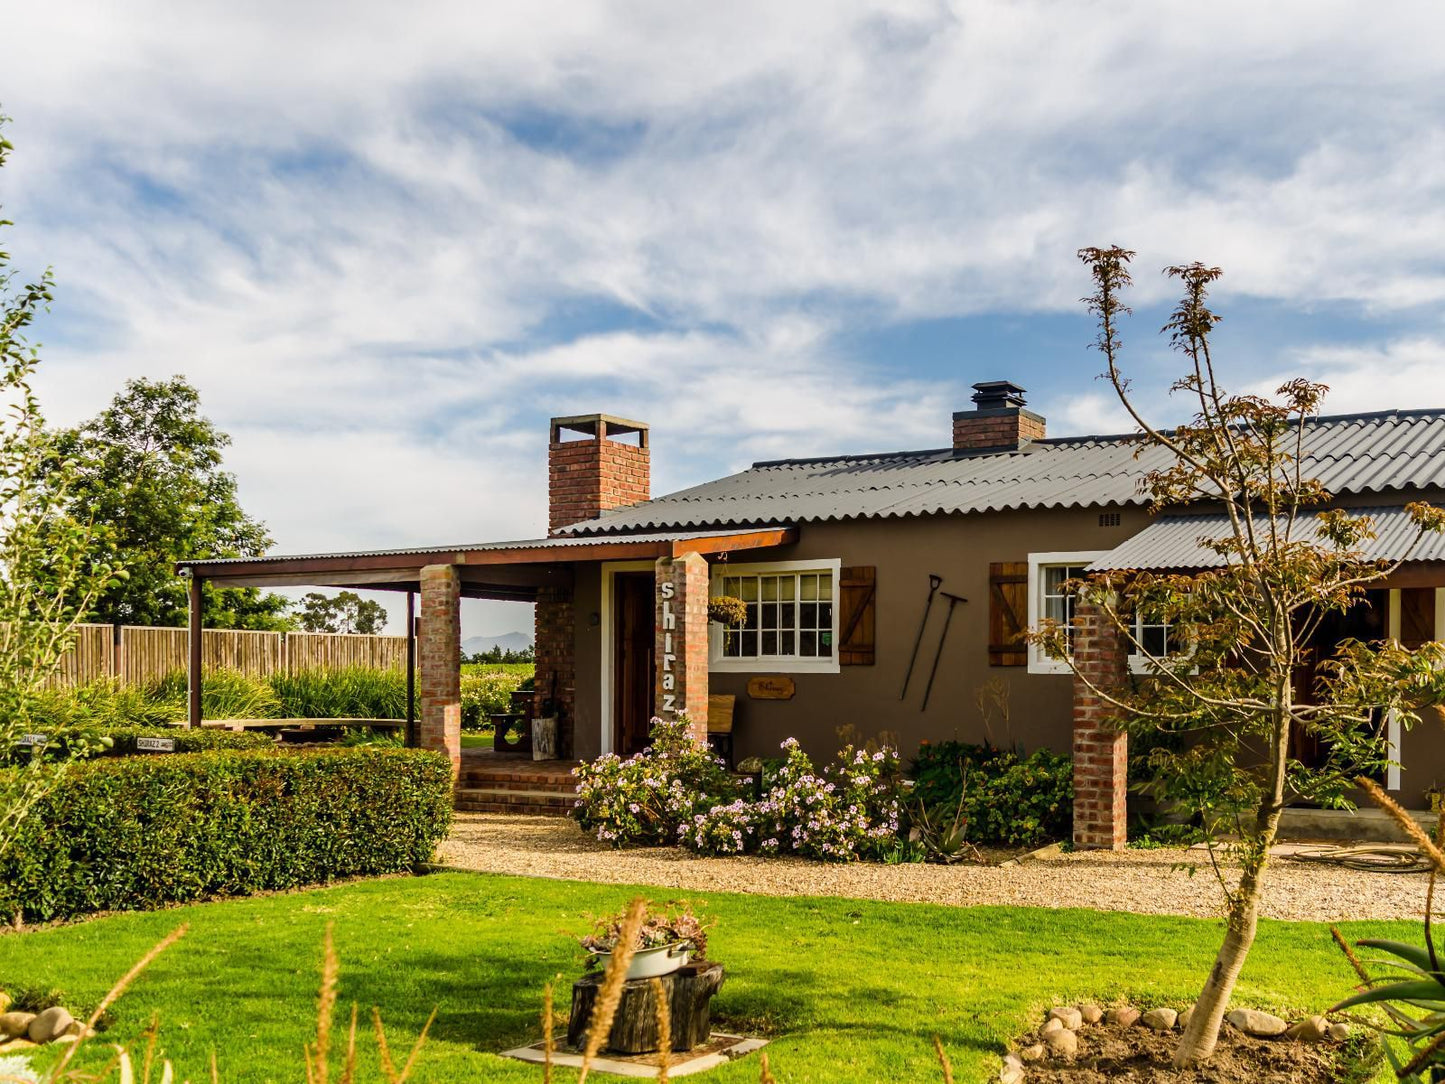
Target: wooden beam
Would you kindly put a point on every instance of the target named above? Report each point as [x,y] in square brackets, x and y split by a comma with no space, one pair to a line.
[195,676]
[1415,574]
[745,540]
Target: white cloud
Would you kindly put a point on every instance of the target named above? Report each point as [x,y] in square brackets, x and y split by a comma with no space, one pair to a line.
[366,231]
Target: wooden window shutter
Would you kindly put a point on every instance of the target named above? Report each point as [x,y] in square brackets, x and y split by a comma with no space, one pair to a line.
[1008,610]
[856,597]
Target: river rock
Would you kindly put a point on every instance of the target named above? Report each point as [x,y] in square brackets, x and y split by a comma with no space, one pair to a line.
[1261,1025]
[1186,1016]
[1012,1071]
[1051,1025]
[16,1046]
[1125,1017]
[15,1024]
[1159,1019]
[1063,1042]
[49,1025]
[1092,1014]
[1070,1017]
[1032,1053]
[1312,1029]
[1339,1032]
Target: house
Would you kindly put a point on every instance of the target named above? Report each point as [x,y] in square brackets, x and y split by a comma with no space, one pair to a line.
[886,591]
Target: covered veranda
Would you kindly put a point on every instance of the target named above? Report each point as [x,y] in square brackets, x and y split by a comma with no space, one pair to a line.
[542,571]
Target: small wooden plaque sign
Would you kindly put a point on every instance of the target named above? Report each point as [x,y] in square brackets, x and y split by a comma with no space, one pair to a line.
[155,745]
[773,687]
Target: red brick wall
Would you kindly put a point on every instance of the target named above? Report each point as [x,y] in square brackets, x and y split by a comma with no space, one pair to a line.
[556,660]
[681,624]
[1101,753]
[439,660]
[587,477]
[1004,428]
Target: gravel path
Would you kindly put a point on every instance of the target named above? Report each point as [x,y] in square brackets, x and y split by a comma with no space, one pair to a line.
[1143,882]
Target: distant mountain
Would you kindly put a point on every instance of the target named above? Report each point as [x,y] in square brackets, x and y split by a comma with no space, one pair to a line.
[507,641]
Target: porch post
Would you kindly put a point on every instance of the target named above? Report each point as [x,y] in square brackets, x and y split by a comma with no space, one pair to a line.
[194,674]
[409,734]
[1101,753]
[681,631]
[440,649]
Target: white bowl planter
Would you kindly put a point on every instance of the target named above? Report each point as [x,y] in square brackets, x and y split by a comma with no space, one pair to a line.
[653,962]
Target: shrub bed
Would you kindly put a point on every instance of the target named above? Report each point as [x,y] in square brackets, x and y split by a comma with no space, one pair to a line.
[134,833]
[118,741]
[1009,800]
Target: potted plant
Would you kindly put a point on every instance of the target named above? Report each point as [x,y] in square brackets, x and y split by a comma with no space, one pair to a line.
[669,938]
[727,611]
[1434,795]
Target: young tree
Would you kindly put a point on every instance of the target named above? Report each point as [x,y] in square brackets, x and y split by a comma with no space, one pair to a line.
[1228,697]
[51,568]
[150,470]
[344,612]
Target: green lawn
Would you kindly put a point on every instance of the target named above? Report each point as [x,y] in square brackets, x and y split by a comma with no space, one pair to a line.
[849,990]
[475,739]
[522,669]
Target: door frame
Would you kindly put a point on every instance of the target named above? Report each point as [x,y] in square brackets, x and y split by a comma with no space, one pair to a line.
[609,636]
[1393,729]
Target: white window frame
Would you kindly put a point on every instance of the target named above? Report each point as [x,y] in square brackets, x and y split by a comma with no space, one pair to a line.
[1141,663]
[1039,662]
[776,664]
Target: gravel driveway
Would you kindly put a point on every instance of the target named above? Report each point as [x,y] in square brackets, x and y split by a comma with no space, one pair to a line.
[1144,882]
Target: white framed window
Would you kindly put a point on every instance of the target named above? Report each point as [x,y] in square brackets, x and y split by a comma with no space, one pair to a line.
[1154,639]
[792,617]
[1047,600]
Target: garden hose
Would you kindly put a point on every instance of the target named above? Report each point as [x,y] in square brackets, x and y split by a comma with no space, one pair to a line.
[1376,857]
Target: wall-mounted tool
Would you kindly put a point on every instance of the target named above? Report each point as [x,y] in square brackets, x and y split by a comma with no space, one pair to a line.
[953,600]
[934,583]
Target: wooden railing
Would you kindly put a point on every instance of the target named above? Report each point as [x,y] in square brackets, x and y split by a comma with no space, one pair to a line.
[138,654]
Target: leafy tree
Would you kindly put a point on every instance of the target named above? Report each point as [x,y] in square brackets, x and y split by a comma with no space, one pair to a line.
[150,470]
[1229,695]
[51,567]
[345,612]
[498,653]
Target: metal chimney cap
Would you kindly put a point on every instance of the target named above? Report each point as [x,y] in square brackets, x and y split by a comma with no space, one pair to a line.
[993,394]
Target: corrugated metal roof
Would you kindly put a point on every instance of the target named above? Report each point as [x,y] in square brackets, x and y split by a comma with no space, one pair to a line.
[558,542]
[1172,542]
[1351,454]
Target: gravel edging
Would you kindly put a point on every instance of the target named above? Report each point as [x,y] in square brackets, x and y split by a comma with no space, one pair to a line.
[1145,882]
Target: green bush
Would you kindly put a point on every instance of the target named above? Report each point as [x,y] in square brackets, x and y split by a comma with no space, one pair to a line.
[351,693]
[1009,801]
[134,833]
[87,741]
[488,693]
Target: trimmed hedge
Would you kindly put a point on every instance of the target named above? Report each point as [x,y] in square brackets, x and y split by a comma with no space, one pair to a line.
[135,833]
[88,741]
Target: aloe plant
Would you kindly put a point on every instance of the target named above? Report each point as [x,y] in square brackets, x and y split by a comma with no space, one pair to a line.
[1413,997]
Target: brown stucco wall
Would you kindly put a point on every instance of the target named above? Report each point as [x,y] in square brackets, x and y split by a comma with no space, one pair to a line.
[587,601]
[904,551]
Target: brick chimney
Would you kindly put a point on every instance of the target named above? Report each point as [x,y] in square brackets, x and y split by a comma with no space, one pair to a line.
[595,471]
[998,422]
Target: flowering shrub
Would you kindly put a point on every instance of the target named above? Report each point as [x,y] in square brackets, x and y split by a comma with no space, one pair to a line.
[646,798]
[850,811]
[486,694]
[723,829]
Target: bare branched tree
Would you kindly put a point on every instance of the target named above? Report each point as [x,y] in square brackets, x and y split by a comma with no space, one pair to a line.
[1243,675]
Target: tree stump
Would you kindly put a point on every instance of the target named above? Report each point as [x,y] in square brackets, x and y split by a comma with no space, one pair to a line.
[634,1029]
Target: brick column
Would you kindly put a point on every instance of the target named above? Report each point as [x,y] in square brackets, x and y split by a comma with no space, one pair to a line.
[556,662]
[681,624]
[439,655]
[1101,753]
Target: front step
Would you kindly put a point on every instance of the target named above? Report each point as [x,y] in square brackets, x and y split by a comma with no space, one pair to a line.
[515,798]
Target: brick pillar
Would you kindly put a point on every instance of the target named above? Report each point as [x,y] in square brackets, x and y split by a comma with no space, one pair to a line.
[439,656]
[1101,753]
[681,624]
[555,647]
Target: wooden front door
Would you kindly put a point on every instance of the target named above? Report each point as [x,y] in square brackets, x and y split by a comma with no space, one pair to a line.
[634,676]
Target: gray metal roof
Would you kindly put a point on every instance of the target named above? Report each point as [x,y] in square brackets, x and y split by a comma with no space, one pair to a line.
[555,542]
[1352,454]
[1172,542]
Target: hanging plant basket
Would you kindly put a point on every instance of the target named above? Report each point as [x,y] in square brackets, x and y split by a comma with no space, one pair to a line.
[727,611]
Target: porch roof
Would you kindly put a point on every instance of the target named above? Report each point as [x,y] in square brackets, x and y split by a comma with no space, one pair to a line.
[497,570]
[1173,542]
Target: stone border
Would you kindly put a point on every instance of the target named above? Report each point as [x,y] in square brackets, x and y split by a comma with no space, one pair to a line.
[682,1065]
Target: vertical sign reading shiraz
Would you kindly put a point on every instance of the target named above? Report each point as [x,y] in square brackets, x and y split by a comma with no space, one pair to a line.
[669,626]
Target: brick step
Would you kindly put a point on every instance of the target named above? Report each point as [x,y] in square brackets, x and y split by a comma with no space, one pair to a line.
[551,784]
[500,800]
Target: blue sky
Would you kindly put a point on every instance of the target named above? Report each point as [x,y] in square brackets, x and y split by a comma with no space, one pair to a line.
[388,242]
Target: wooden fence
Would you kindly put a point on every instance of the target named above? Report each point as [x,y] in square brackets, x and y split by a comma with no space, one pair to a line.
[137,654]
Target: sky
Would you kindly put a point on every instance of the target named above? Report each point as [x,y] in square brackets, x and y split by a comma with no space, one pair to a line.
[388,241]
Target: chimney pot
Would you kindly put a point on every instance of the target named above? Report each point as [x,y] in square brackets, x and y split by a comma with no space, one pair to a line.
[998,421]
